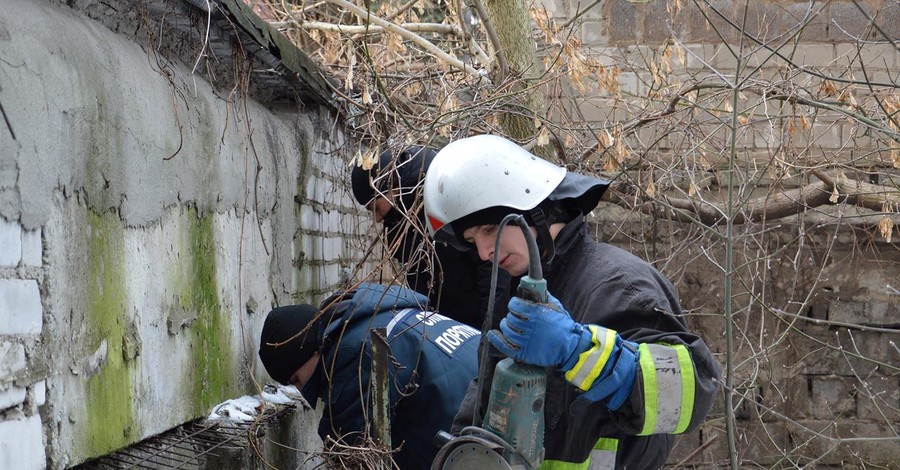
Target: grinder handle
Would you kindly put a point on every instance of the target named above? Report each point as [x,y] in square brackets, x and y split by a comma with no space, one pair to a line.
[532,289]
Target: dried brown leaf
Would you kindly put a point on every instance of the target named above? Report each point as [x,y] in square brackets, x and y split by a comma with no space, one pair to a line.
[886,227]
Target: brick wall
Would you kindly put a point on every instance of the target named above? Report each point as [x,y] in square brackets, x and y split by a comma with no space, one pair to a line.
[21,321]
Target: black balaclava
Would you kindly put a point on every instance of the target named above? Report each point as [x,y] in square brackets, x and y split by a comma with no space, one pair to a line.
[297,323]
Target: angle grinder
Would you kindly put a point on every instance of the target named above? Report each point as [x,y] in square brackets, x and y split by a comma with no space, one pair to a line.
[511,435]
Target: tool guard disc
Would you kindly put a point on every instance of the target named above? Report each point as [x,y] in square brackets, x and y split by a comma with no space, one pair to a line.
[469,456]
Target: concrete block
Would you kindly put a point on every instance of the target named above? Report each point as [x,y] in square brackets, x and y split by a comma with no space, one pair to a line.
[814,55]
[13,396]
[809,19]
[12,360]
[764,21]
[889,21]
[832,396]
[848,23]
[621,20]
[706,23]
[700,57]
[10,243]
[594,33]
[658,24]
[879,399]
[20,307]
[22,444]
[32,249]
[872,312]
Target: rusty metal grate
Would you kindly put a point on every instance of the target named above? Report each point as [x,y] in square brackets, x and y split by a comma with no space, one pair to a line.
[190,446]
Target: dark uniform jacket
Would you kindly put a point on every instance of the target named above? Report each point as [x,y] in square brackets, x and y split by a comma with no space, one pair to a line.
[432,360]
[603,285]
[456,282]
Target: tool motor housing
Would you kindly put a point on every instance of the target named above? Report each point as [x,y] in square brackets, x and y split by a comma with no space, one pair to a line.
[515,409]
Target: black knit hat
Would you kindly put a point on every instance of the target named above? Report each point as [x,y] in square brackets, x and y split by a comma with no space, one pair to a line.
[297,327]
[404,172]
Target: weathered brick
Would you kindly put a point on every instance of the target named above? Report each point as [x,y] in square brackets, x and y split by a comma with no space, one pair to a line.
[889,21]
[309,216]
[22,444]
[32,248]
[871,312]
[700,56]
[20,307]
[597,110]
[851,21]
[809,20]
[12,360]
[879,399]
[594,33]
[12,396]
[658,24]
[763,21]
[10,243]
[39,393]
[763,443]
[707,25]
[856,348]
[560,9]
[814,55]
[832,397]
[846,454]
[621,19]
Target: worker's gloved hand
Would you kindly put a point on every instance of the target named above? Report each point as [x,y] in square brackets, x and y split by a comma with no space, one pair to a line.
[540,334]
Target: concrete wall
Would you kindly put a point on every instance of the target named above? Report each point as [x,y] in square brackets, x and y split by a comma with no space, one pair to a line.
[148,221]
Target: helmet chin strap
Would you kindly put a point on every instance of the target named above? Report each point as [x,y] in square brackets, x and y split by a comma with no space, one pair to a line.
[544,240]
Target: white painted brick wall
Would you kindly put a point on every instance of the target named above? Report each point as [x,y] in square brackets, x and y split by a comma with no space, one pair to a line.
[10,243]
[20,307]
[22,444]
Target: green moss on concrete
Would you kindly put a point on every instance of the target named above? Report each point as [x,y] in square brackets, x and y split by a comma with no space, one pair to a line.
[213,373]
[109,392]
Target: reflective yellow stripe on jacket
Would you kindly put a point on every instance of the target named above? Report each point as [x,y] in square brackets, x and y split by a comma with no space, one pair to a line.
[591,362]
[603,457]
[668,374]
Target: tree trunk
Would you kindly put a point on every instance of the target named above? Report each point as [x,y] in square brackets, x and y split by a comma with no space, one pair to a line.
[512,23]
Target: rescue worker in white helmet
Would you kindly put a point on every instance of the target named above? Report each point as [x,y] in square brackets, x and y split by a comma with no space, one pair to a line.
[627,374]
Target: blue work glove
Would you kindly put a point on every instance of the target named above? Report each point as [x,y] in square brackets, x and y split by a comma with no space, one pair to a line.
[617,362]
[540,334]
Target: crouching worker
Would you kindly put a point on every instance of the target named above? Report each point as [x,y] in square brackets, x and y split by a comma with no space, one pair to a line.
[327,355]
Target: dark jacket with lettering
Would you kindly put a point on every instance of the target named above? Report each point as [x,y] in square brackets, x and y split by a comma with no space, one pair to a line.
[603,285]
[432,359]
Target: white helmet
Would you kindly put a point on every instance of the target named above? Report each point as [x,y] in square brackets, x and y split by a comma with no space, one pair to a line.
[488,175]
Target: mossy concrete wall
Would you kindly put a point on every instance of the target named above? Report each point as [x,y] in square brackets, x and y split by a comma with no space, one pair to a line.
[149,220]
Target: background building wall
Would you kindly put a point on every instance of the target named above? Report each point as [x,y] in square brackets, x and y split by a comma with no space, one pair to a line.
[815,295]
